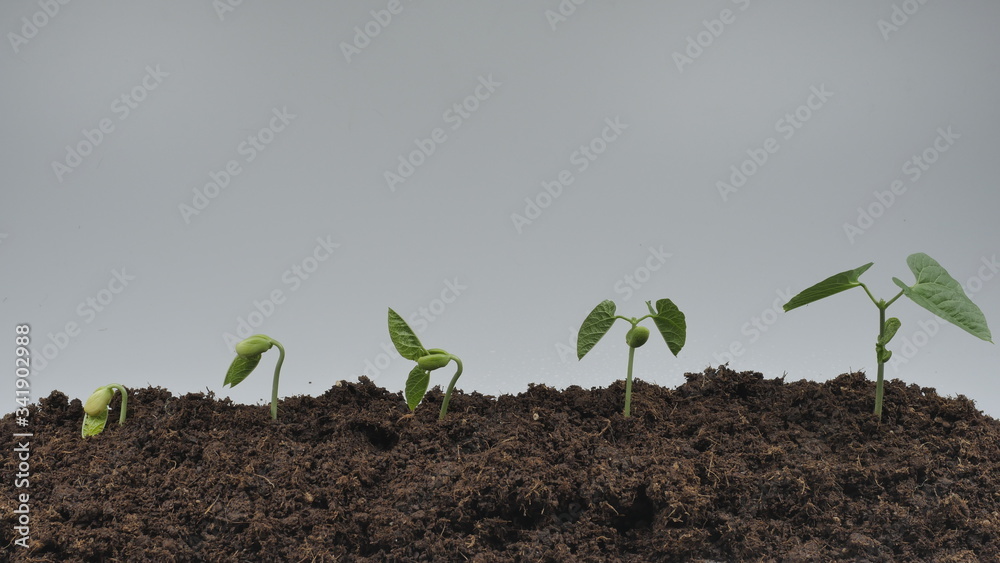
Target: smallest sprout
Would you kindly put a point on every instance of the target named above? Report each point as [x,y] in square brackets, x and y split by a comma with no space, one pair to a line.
[95,410]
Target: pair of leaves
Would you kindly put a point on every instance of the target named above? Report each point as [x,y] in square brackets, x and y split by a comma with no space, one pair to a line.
[668,318]
[934,290]
[409,347]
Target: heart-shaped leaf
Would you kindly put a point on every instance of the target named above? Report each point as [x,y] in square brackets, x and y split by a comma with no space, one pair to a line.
[94,425]
[883,354]
[594,327]
[891,326]
[940,294]
[830,286]
[241,367]
[416,386]
[670,322]
[404,339]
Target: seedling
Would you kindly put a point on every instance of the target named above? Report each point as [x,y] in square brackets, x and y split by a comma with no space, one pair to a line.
[935,290]
[667,317]
[248,354]
[95,410]
[409,347]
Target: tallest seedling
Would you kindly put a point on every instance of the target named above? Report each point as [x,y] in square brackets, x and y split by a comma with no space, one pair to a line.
[935,290]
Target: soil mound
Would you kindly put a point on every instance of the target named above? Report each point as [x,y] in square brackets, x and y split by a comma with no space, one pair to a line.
[727,467]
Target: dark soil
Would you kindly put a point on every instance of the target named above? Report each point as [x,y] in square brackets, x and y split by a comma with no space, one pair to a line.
[727,467]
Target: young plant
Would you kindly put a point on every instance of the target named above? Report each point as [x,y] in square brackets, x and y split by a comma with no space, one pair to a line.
[95,410]
[935,290]
[409,347]
[667,317]
[248,354]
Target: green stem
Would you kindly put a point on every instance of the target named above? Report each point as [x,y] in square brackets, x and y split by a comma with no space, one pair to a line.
[878,358]
[870,296]
[451,387]
[628,383]
[891,301]
[274,385]
[121,389]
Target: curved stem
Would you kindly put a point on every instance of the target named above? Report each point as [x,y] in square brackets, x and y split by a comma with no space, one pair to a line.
[628,383]
[121,389]
[870,296]
[274,385]
[451,387]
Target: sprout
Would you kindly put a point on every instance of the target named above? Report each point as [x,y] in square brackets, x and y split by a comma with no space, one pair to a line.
[95,410]
[409,347]
[248,356]
[669,322]
[934,290]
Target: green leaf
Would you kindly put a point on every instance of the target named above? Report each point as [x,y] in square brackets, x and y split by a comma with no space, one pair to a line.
[882,353]
[891,326]
[241,367]
[671,324]
[830,286]
[594,327]
[94,425]
[940,294]
[416,386]
[403,338]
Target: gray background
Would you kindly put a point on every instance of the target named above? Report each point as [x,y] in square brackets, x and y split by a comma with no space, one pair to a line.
[184,87]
